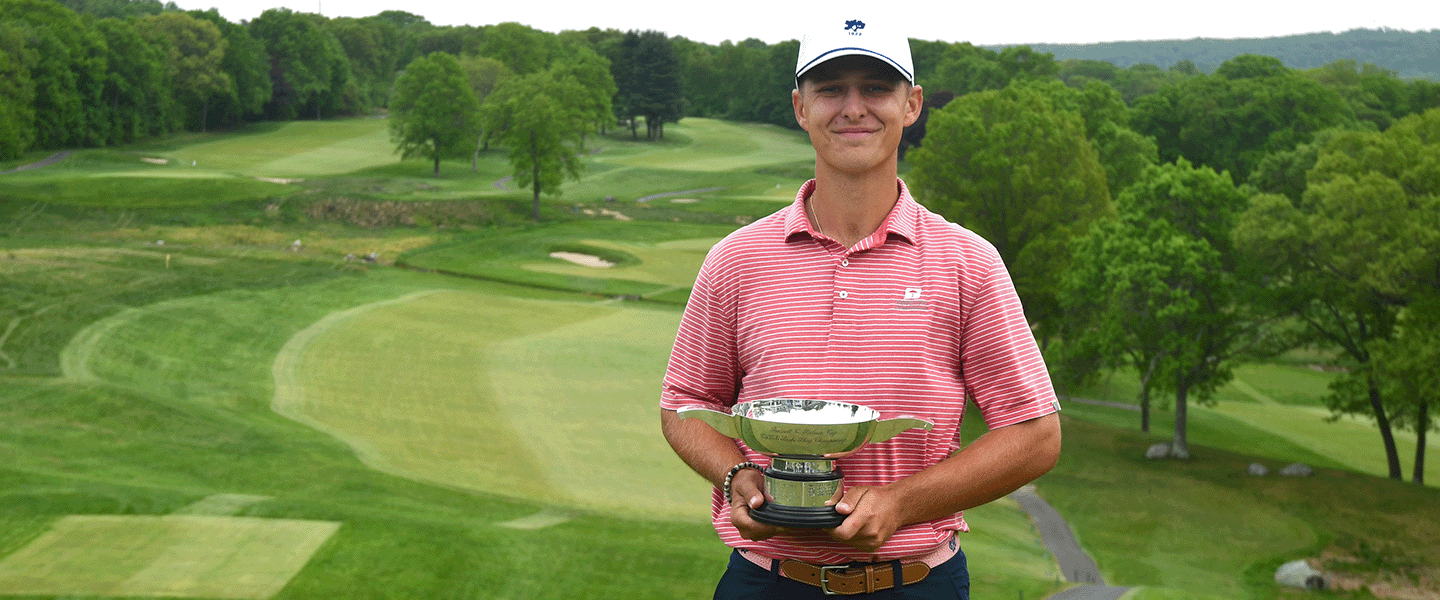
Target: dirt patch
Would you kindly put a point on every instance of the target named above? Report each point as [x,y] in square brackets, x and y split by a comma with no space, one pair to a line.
[1401,582]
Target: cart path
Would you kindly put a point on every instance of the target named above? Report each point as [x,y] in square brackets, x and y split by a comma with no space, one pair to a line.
[47,161]
[1059,539]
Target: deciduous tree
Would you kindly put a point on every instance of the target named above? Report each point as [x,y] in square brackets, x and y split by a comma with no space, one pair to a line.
[433,112]
[17,93]
[195,54]
[138,96]
[532,118]
[1021,173]
[1360,245]
[1163,287]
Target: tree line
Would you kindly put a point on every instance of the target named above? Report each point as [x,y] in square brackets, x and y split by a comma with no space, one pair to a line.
[1213,220]
[1171,222]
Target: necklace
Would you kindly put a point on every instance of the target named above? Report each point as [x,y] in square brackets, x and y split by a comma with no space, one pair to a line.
[814,216]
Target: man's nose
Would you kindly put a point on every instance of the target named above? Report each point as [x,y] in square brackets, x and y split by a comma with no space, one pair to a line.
[854,105]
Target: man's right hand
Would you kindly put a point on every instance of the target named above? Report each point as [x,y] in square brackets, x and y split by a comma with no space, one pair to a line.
[747,492]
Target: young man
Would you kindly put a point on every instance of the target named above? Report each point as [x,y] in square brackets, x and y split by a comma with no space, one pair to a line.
[856,293]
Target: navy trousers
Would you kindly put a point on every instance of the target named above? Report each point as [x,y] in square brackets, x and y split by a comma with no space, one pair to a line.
[744,580]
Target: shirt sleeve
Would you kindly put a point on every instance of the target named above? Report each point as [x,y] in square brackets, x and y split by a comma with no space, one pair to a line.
[704,365]
[1002,366]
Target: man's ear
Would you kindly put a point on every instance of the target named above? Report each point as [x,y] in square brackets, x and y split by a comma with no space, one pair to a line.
[914,103]
[799,108]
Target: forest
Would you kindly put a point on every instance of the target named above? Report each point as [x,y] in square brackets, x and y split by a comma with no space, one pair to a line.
[1174,221]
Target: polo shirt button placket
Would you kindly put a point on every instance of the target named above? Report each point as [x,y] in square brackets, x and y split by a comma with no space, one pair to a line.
[844,294]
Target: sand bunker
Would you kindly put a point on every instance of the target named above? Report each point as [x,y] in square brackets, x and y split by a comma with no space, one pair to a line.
[583,259]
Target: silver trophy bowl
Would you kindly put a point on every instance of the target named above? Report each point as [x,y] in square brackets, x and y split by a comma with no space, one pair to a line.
[803,437]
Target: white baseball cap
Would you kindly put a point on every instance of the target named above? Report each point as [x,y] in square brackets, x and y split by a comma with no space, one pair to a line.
[842,36]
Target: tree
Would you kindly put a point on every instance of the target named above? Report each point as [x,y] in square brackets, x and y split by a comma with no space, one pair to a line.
[308,68]
[195,54]
[530,116]
[17,93]
[371,45]
[1350,255]
[596,86]
[524,49]
[138,96]
[1231,120]
[1012,167]
[1127,295]
[67,74]
[653,84]
[965,69]
[433,112]
[1409,365]
[1164,286]
[484,74]
[248,66]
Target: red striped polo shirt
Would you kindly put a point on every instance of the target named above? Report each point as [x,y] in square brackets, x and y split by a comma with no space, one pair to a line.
[908,322]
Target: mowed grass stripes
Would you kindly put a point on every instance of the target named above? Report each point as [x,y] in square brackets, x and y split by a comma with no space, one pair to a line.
[542,400]
[186,556]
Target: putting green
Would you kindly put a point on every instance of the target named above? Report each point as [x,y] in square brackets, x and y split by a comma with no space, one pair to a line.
[541,400]
[164,556]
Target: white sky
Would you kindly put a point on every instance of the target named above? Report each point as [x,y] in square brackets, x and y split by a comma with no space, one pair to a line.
[988,22]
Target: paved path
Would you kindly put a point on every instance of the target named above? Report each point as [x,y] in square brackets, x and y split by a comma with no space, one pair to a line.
[1060,540]
[47,161]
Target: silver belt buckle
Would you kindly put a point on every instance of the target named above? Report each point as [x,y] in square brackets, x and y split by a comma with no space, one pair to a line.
[825,579]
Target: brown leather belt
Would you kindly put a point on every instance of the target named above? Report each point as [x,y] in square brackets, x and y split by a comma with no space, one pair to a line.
[848,580]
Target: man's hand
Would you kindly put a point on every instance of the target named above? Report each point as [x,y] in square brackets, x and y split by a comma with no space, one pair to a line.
[873,516]
[747,493]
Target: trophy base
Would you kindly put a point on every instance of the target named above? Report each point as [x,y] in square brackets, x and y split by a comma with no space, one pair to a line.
[798,517]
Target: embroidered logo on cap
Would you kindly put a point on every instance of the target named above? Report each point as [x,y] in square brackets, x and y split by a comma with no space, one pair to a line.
[854,26]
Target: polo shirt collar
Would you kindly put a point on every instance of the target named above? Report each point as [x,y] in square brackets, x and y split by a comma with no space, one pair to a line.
[901,222]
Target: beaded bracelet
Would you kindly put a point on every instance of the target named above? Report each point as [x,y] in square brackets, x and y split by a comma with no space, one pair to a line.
[729,477]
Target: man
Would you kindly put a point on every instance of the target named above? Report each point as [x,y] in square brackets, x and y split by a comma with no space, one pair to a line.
[856,293]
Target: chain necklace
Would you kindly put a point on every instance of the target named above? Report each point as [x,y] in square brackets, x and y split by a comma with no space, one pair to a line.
[814,216]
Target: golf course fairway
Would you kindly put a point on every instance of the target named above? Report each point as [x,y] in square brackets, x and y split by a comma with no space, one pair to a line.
[540,400]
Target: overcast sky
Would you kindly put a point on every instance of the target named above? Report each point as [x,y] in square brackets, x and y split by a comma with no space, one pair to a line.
[982,23]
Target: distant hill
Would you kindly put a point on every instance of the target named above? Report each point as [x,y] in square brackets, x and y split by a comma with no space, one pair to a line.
[1411,54]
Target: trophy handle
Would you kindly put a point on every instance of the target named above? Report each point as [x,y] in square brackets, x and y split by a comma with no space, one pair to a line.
[889,428]
[722,422]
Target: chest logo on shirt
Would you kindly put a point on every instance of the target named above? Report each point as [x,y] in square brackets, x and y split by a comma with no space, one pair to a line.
[911,300]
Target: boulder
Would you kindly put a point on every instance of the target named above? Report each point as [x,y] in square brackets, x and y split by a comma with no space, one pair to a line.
[1299,573]
[1258,470]
[1297,470]
[1158,451]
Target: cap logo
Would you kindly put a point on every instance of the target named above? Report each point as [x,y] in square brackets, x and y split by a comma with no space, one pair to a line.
[854,26]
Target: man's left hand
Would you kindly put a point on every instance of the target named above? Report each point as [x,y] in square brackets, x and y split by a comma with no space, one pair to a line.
[873,515]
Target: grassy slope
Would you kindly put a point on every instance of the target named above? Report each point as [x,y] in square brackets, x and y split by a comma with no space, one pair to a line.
[166,403]
[180,422]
